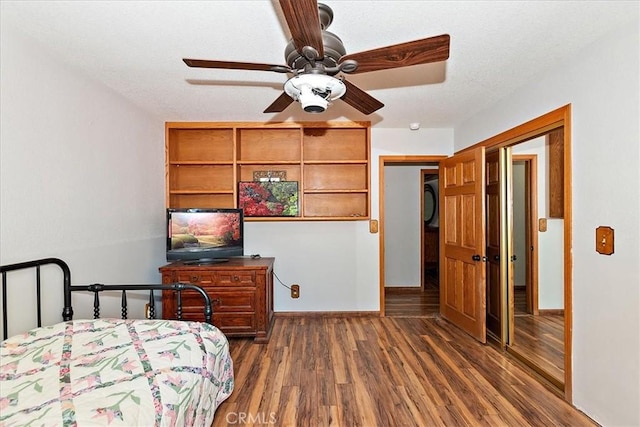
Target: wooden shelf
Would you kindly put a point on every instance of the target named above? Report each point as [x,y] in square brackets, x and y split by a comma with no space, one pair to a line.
[197,162]
[330,160]
[336,162]
[201,192]
[266,162]
[364,190]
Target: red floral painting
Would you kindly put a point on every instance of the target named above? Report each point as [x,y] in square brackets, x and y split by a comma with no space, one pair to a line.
[278,198]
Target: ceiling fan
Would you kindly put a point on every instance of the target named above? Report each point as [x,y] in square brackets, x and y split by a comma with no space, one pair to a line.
[314,56]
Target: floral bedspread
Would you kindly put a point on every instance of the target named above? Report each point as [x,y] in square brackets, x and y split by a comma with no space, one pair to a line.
[115,372]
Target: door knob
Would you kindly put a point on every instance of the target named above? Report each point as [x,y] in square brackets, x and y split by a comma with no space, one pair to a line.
[477,257]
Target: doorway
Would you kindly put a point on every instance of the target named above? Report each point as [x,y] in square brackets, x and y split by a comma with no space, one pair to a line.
[408,274]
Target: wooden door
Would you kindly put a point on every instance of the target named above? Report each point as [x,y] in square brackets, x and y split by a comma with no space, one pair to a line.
[493,236]
[463,252]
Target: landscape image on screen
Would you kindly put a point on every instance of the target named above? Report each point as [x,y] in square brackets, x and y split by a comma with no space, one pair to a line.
[190,230]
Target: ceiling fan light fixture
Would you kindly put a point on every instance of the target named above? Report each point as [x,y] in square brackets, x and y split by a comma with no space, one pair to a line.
[311,103]
[314,91]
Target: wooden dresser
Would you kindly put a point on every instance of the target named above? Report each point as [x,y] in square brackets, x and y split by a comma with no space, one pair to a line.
[241,292]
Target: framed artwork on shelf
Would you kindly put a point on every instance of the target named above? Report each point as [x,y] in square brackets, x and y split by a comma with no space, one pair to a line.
[269,198]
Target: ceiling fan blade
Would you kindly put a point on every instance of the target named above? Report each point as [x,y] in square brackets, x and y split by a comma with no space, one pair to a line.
[282,102]
[204,63]
[304,23]
[360,100]
[432,49]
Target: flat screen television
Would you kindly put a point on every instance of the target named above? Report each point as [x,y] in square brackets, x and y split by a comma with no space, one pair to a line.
[200,236]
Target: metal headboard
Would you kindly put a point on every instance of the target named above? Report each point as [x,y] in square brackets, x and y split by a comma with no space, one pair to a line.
[96,288]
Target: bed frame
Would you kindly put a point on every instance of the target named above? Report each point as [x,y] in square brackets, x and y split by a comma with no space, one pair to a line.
[96,288]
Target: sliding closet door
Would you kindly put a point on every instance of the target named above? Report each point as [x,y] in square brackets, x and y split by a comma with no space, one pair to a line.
[494,232]
[499,242]
[463,252]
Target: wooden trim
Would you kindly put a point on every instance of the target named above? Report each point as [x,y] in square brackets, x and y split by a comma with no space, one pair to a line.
[421,216]
[276,125]
[167,186]
[337,314]
[526,131]
[402,289]
[551,312]
[555,150]
[393,160]
[507,267]
[381,258]
[568,259]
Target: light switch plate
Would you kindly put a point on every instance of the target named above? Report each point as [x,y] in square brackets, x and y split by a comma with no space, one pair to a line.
[373,226]
[542,225]
[604,240]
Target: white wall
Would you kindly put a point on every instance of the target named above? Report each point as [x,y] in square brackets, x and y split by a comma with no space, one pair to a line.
[402,225]
[81,177]
[602,85]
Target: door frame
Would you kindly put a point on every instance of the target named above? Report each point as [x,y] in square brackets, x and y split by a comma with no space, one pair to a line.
[560,117]
[383,161]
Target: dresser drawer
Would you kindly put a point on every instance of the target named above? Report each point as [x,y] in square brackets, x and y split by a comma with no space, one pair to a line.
[236,301]
[201,278]
[229,323]
[221,301]
[233,323]
[244,278]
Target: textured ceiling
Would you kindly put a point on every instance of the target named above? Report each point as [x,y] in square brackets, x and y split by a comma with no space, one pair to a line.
[136,48]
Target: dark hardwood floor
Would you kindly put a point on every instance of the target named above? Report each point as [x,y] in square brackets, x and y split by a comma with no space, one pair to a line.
[373,371]
[520,299]
[413,301]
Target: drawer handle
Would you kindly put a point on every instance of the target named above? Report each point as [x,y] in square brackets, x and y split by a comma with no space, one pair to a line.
[236,278]
[194,279]
[216,301]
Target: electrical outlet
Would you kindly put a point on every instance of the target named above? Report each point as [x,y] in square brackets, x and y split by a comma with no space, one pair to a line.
[295,291]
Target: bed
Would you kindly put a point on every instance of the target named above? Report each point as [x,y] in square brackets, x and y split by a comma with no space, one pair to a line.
[109,371]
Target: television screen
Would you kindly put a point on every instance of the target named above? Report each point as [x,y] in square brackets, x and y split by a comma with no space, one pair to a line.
[204,235]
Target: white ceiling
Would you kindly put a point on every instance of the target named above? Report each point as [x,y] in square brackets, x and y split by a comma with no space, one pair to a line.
[136,48]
